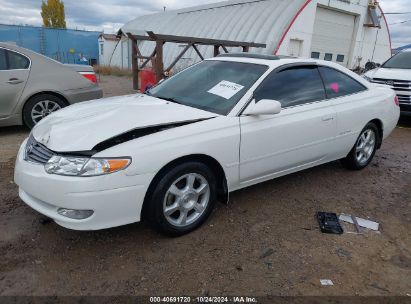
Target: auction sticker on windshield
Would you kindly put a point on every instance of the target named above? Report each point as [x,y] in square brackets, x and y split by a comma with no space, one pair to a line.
[226,89]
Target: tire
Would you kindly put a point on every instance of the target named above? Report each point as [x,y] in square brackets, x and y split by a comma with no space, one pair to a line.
[39,107]
[364,149]
[175,208]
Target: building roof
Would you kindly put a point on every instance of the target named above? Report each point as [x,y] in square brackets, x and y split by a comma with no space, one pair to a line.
[260,21]
[112,37]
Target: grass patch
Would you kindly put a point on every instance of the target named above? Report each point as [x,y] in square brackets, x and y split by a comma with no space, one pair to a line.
[112,71]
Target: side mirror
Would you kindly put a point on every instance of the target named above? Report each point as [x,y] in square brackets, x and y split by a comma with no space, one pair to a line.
[263,107]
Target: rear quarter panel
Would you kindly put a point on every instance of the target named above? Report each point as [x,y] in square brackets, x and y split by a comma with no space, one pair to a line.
[47,75]
[355,111]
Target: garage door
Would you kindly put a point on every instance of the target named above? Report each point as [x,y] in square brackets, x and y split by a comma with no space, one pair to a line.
[333,35]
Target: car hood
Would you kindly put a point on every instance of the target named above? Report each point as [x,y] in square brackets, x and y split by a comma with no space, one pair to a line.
[82,126]
[390,74]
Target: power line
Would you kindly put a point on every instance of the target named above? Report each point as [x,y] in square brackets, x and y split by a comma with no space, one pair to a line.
[406,13]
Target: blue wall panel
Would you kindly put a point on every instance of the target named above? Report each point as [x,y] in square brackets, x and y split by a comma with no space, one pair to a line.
[64,45]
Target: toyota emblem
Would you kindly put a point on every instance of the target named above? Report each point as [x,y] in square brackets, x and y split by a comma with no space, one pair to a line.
[390,83]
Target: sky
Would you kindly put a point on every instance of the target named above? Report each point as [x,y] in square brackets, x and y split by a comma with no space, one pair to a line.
[110,15]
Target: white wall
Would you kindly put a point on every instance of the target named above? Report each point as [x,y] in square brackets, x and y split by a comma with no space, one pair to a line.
[108,49]
[116,53]
[366,46]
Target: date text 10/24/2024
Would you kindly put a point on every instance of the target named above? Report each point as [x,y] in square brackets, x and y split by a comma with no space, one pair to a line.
[203,299]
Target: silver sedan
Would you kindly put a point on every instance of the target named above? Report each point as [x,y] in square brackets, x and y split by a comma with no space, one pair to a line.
[32,86]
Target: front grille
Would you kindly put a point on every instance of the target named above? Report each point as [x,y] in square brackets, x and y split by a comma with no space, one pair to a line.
[36,152]
[398,85]
[404,99]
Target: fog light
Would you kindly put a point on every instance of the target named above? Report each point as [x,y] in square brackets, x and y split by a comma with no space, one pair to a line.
[75,214]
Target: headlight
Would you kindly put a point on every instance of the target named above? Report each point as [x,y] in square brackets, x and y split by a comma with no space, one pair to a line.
[82,166]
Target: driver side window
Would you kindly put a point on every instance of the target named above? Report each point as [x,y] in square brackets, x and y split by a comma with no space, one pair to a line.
[3,61]
[293,86]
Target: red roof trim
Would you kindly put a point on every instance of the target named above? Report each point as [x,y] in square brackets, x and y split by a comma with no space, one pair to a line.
[388,28]
[290,25]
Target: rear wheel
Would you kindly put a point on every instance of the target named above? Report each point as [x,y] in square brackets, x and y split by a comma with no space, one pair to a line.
[364,149]
[183,199]
[39,107]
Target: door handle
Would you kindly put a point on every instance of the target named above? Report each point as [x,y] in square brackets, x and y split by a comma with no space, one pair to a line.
[327,118]
[15,81]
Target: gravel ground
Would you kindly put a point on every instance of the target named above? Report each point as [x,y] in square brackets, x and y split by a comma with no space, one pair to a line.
[265,242]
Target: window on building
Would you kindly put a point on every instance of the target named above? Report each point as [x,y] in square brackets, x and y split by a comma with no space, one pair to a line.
[328,57]
[340,58]
[339,84]
[3,61]
[17,61]
[102,49]
[315,55]
[293,86]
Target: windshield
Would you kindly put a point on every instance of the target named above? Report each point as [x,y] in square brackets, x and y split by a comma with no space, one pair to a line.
[399,61]
[214,86]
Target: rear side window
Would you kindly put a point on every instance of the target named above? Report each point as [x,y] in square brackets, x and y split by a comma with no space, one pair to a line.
[293,86]
[3,61]
[17,61]
[338,84]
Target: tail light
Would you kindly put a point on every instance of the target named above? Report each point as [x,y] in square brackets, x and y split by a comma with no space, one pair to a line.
[397,101]
[90,76]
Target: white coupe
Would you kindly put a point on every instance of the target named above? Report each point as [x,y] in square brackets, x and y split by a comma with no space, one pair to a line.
[221,125]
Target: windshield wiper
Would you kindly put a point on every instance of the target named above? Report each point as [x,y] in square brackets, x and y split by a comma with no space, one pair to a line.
[171,99]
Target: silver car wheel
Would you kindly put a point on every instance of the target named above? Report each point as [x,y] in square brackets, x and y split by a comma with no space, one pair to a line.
[42,109]
[186,200]
[365,146]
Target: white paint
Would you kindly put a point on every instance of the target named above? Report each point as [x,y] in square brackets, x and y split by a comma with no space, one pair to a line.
[226,89]
[362,222]
[249,149]
[327,283]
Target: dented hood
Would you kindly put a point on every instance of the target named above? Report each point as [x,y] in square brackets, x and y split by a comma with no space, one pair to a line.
[82,126]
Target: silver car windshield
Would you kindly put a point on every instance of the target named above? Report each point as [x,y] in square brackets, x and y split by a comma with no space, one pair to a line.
[214,86]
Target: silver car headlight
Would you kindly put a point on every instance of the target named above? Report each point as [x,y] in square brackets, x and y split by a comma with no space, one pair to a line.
[84,166]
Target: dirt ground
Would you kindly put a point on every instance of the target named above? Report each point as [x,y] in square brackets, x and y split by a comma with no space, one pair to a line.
[265,242]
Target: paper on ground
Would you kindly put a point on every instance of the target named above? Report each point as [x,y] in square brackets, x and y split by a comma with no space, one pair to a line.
[327,283]
[362,222]
[226,89]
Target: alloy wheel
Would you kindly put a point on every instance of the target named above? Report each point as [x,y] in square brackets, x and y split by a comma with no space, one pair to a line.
[365,146]
[186,200]
[42,109]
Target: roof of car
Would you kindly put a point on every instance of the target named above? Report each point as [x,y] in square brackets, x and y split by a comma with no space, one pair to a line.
[270,60]
[254,56]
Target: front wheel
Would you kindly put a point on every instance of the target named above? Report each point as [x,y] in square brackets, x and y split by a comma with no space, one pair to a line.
[364,149]
[183,199]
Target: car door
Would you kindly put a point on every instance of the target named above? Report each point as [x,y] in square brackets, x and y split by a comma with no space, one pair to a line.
[14,72]
[300,136]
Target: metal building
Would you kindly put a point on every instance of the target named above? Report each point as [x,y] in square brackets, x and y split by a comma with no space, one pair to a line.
[351,32]
[64,45]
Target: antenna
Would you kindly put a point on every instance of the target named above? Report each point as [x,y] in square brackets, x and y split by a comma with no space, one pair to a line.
[164,8]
